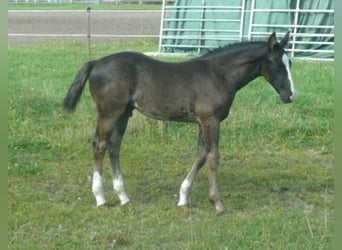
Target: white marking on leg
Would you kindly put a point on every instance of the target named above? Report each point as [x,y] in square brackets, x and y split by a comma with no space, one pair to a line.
[97,189]
[286,62]
[119,189]
[184,192]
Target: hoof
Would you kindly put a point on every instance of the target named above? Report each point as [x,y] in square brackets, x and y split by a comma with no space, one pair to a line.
[183,207]
[221,211]
[125,203]
[182,204]
[218,206]
[102,204]
[100,200]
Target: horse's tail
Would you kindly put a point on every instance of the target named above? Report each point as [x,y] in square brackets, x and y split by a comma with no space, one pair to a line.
[75,91]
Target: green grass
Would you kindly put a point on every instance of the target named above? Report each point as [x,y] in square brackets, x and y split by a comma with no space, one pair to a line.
[276,172]
[81,6]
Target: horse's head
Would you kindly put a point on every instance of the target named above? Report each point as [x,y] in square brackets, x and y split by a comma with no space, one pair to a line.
[277,68]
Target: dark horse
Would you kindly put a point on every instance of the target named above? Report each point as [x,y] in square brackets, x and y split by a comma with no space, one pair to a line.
[199,90]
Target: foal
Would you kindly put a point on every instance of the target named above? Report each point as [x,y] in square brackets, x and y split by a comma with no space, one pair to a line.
[199,90]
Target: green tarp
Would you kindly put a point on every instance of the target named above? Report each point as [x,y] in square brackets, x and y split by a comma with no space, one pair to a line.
[211,33]
[191,19]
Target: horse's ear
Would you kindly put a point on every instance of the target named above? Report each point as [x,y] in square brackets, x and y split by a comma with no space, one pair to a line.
[285,41]
[272,40]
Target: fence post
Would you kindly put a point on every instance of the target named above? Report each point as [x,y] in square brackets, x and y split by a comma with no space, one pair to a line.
[89,32]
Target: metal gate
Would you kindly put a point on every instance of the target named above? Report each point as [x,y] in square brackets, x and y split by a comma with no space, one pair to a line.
[310,39]
[208,28]
[195,28]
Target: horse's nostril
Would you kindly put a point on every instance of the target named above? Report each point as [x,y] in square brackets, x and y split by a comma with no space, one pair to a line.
[293,96]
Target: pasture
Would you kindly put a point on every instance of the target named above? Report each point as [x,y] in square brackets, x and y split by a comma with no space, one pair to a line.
[276,173]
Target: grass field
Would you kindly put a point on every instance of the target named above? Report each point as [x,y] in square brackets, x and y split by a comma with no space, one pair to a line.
[276,174]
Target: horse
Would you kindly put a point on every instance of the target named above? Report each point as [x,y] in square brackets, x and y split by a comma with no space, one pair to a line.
[199,90]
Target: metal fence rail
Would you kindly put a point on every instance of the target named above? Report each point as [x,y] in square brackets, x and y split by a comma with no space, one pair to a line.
[37,26]
[308,39]
[233,23]
[171,13]
[302,35]
[86,1]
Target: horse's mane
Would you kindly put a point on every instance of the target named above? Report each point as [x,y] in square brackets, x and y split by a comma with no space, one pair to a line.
[234,47]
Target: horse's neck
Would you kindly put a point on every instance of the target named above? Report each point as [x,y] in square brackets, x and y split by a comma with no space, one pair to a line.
[248,68]
[248,74]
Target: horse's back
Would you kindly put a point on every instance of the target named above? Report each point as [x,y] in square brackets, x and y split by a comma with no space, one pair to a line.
[135,69]
[162,90]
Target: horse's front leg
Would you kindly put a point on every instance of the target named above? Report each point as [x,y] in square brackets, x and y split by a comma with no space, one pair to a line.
[214,198]
[185,188]
[211,132]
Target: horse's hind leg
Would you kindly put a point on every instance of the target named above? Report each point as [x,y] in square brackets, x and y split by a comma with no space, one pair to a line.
[114,155]
[100,143]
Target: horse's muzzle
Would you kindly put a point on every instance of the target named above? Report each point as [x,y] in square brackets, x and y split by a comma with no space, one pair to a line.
[286,98]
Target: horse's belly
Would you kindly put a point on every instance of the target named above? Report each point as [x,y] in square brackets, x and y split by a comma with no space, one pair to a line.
[166,111]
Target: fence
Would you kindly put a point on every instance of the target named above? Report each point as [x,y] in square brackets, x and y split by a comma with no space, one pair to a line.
[87,1]
[36,26]
[186,28]
[198,27]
